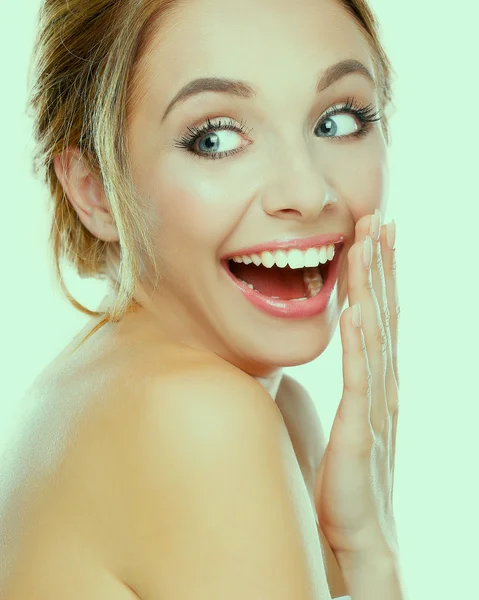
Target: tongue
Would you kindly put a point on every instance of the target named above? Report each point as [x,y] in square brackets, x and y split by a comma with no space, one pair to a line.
[285,283]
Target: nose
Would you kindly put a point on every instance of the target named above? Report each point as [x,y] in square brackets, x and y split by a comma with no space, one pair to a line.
[300,190]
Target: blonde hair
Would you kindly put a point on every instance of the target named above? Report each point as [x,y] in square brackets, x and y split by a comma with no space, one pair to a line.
[87,61]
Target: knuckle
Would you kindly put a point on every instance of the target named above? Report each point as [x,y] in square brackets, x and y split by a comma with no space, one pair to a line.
[364,389]
[393,404]
[362,385]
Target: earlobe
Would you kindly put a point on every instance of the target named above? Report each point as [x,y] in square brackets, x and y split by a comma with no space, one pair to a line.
[85,193]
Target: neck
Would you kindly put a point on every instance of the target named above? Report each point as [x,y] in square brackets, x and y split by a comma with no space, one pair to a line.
[271,383]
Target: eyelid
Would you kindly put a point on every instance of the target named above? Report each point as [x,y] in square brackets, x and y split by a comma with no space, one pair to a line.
[340,104]
[353,107]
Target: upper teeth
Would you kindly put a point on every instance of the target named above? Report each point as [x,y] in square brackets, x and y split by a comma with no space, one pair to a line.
[296,259]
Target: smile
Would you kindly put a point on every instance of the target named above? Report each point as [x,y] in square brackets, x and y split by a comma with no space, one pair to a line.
[279,285]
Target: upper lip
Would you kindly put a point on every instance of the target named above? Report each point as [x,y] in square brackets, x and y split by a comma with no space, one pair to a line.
[298,243]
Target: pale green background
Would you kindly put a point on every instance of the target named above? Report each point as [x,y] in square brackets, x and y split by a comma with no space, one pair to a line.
[434,195]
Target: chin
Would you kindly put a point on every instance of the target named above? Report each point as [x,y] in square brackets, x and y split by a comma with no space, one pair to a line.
[297,344]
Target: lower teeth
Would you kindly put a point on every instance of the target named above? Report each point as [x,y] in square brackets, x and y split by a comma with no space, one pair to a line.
[313,280]
[250,285]
[314,287]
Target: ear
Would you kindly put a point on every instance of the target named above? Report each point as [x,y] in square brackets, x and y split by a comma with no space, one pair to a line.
[85,193]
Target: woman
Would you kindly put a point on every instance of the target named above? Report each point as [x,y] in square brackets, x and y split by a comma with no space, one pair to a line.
[236,158]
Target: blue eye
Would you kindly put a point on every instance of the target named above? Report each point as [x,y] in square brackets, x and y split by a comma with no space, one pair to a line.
[207,135]
[219,137]
[332,121]
[330,126]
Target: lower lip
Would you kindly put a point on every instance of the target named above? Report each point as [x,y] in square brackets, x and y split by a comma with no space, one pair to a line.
[286,308]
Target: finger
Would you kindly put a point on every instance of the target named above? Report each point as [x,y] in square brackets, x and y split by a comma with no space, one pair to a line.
[393,448]
[360,289]
[392,382]
[380,289]
[384,283]
[365,227]
[389,267]
[374,228]
[355,406]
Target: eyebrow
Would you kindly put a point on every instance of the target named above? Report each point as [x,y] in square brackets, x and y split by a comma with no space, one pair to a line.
[244,90]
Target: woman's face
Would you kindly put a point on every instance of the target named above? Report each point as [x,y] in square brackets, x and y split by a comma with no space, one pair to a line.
[275,176]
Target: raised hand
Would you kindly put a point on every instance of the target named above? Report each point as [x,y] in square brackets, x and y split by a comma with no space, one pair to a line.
[355,480]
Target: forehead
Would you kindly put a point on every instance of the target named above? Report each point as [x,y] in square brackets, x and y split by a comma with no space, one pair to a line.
[262,41]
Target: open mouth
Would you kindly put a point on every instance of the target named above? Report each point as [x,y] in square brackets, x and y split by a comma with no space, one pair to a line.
[284,283]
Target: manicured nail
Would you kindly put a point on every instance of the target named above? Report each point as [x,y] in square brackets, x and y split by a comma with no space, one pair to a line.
[375,226]
[368,252]
[357,316]
[391,234]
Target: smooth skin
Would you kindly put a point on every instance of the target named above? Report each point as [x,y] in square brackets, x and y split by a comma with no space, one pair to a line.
[270,548]
[358,463]
[188,439]
[290,179]
[222,510]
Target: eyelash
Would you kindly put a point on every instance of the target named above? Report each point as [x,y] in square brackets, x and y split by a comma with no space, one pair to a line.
[365,115]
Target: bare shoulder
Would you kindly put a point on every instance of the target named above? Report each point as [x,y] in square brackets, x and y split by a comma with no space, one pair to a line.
[213,504]
[156,466]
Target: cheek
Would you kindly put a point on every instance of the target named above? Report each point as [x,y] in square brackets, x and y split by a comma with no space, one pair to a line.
[199,209]
[368,188]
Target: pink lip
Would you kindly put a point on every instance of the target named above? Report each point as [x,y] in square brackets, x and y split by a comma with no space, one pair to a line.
[299,243]
[286,308]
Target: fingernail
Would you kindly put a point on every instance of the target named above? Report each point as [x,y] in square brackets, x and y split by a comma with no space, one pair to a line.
[375,226]
[391,234]
[368,252]
[357,315]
